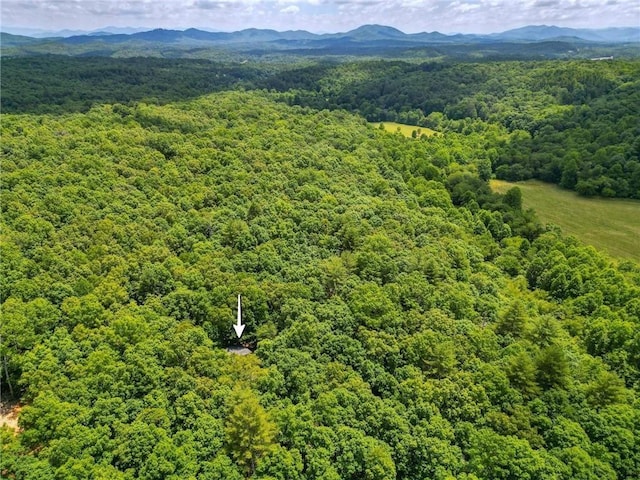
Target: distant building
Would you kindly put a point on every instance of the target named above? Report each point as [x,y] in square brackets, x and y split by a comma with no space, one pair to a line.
[602,58]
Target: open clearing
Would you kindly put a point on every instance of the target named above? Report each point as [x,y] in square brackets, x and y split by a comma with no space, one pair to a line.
[9,415]
[611,225]
[406,130]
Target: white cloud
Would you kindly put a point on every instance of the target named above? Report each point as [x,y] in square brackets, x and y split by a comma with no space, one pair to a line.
[479,16]
[290,9]
[466,7]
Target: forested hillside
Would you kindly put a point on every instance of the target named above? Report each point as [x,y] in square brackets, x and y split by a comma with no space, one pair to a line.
[58,84]
[406,322]
[570,123]
[573,123]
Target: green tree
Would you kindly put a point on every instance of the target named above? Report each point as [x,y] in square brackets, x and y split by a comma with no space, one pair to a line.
[506,457]
[606,389]
[362,457]
[552,367]
[513,198]
[433,353]
[521,371]
[513,322]
[249,433]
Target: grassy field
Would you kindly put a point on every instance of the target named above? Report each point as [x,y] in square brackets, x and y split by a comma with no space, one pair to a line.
[611,225]
[406,130]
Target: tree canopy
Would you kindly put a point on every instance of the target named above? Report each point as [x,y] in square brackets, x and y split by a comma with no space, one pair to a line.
[407,322]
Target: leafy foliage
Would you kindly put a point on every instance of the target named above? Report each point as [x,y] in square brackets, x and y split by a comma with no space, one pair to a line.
[408,322]
[573,123]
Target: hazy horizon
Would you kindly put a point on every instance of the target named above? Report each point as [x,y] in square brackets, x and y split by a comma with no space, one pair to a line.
[26,31]
[317,16]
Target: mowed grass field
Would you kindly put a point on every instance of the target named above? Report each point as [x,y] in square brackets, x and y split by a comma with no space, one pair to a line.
[406,130]
[611,225]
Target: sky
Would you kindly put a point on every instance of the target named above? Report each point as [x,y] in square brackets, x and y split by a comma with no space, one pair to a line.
[319,16]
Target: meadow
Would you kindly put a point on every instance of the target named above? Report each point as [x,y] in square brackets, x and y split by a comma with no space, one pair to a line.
[612,225]
[406,130]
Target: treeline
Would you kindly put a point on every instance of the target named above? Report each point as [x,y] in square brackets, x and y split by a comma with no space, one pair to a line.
[407,322]
[593,148]
[60,84]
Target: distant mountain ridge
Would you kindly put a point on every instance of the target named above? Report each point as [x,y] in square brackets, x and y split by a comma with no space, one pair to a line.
[548,32]
[40,33]
[370,40]
[363,33]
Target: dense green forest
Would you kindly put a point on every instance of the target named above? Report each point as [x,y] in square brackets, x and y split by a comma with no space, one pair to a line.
[57,84]
[573,123]
[407,322]
[570,123]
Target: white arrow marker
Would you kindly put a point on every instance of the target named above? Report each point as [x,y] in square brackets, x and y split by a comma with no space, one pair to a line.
[239,327]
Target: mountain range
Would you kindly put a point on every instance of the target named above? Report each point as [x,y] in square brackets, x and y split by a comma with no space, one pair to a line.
[363,33]
[367,38]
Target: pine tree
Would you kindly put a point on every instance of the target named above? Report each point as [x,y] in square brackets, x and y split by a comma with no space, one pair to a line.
[552,368]
[249,432]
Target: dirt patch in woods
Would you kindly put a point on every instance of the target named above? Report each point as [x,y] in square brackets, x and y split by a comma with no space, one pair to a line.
[9,412]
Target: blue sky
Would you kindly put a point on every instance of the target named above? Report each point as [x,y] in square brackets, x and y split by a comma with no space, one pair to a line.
[466,16]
